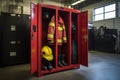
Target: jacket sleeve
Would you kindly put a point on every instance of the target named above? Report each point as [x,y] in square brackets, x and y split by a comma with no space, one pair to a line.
[51,31]
[64,35]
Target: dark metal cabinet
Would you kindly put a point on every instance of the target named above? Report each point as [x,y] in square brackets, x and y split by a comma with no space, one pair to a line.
[14,39]
[107,41]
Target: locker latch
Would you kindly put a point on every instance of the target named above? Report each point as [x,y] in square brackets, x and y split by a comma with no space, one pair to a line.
[32,36]
[34,28]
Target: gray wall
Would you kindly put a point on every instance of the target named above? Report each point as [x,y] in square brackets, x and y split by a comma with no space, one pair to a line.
[110,23]
[4,5]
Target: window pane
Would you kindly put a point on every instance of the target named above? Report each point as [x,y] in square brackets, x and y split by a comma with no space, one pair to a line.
[99,10]
[111,7]
[110,15]
[98,17]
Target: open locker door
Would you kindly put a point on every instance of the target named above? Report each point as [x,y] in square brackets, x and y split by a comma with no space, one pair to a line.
[33,32]
[83,38]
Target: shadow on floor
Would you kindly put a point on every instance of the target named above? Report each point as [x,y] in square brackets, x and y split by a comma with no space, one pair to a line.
[102,66]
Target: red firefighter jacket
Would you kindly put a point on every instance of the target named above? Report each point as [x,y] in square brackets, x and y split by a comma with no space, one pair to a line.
[62,38]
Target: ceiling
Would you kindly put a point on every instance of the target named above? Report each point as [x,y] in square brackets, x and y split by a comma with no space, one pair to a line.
[83,4]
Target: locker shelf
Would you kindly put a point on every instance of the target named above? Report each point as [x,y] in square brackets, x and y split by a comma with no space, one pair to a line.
[60,69]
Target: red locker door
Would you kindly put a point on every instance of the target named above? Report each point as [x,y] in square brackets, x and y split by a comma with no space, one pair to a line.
[83,38]
[33,32]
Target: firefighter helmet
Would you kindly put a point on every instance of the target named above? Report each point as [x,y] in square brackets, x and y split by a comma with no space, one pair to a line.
[47,53]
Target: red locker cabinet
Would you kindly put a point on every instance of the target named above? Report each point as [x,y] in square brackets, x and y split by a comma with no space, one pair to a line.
[75,51]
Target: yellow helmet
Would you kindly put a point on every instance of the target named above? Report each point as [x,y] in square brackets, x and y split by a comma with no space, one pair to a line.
[47,53]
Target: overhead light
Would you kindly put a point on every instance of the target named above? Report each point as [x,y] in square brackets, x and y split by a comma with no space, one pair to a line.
[69,6]
[77,2]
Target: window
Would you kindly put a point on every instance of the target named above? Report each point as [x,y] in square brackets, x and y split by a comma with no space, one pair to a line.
[99,17]
[110,15]
[110,8]
[99,10]
[110,11]
[105,12]
[99,13]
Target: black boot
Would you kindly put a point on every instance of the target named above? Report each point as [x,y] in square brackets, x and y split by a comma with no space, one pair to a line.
[44,67]
[63,60]
[59,61]
[50,67]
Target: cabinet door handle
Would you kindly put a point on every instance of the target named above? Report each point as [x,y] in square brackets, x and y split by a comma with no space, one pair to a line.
[33,30]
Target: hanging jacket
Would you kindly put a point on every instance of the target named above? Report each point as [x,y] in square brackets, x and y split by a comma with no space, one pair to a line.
[62,38]
[51,30]
[61,31]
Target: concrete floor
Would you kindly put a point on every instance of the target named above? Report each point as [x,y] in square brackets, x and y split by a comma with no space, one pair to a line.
[102,66]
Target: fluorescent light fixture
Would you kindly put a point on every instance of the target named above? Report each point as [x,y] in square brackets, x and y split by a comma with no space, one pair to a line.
[77,2]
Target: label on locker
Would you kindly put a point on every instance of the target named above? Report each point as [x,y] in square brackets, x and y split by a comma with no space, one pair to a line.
[12,42]
[12,53]
[13,28]
[13,14]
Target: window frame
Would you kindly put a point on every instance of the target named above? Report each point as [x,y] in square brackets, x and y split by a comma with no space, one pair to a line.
[104,13]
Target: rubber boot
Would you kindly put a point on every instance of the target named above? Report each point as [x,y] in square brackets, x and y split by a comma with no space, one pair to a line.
[59,61]
[44,67]
[63,60]
[50,67]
